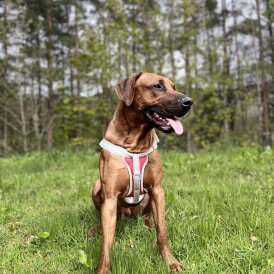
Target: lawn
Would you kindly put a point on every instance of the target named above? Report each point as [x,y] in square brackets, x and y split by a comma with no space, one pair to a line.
[219,214]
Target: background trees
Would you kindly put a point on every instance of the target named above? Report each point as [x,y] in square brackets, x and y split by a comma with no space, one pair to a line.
[59,61]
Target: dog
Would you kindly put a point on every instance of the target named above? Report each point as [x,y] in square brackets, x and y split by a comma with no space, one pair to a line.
[130,166]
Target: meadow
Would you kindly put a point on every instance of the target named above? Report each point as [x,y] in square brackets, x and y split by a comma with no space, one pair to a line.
[219,214]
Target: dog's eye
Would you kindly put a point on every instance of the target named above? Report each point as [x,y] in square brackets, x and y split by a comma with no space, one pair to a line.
[158,86]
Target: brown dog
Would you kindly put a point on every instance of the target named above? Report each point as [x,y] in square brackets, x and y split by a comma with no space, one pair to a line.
[148,101]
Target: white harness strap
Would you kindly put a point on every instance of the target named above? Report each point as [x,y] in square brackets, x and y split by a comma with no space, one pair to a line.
[120,151]
[136,178]
[137,172]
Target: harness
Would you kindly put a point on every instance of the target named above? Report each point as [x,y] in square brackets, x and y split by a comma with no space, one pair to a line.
[135,164]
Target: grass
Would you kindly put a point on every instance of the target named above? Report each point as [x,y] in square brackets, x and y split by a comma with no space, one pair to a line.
[219,214]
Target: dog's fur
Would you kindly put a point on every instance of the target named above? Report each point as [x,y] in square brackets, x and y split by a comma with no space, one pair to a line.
[133,129]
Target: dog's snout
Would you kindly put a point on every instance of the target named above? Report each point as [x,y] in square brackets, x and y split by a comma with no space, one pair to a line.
[187,101]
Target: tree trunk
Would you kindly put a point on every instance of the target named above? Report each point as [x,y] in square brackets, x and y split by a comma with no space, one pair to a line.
[225,72]
[22,113]
[271,45]
[78,83]
[70,66]
[71,75]
[5,82]
[50,80]
[35,117]
[264,90]
[239,111]
[208,43]
[188,92]
[134,41]
[188,79]
[38,128]
[170,41]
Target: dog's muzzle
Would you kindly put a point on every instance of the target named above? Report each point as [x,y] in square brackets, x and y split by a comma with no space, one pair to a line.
[164,117]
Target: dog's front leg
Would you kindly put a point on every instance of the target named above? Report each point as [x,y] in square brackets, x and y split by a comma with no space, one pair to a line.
[108,221]
[158,209]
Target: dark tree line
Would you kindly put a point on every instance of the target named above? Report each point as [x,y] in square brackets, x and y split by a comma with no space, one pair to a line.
[59,61]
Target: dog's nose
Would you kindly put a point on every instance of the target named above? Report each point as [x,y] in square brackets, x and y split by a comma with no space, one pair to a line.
[187,101]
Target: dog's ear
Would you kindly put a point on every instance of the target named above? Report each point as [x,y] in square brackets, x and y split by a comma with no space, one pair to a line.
[126,88]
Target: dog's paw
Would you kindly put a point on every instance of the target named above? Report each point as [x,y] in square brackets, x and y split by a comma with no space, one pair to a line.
[93,230]
[176,267]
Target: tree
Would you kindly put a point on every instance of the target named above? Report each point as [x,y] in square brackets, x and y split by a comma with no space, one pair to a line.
[263,96]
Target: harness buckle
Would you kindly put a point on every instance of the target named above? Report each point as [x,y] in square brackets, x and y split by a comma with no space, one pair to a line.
[137,177]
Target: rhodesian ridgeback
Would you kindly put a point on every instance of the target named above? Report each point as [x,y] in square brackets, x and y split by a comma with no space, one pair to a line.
[130,166]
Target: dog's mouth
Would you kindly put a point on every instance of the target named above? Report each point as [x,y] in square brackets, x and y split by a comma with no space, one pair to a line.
[164,123]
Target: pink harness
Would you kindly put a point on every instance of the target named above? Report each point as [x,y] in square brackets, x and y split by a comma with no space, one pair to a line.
[135,164]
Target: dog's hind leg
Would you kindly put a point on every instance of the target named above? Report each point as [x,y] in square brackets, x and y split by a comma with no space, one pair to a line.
[147,213]
[148,220]
[94,229]
[96,195]
[97,199]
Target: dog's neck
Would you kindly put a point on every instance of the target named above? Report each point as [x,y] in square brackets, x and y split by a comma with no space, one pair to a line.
[127,130]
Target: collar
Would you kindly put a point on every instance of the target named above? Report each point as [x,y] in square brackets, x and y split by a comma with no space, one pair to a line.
[120,151]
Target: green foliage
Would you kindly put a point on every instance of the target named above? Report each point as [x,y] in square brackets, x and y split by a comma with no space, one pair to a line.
[44,235]
[94,113]
[247,27]
[206,123]
[84,258]
[269,13]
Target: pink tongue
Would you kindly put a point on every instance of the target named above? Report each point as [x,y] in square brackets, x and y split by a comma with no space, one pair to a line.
[177,126]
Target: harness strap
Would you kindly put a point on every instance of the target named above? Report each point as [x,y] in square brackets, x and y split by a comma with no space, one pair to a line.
[120,151]
[136,178]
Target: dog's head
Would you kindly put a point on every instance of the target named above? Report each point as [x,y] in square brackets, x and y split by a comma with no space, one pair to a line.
[155,98]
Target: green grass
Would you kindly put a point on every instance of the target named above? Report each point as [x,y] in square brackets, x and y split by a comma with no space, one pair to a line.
[219,214]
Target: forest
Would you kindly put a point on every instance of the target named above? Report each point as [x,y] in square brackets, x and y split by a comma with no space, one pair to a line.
[60,61]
